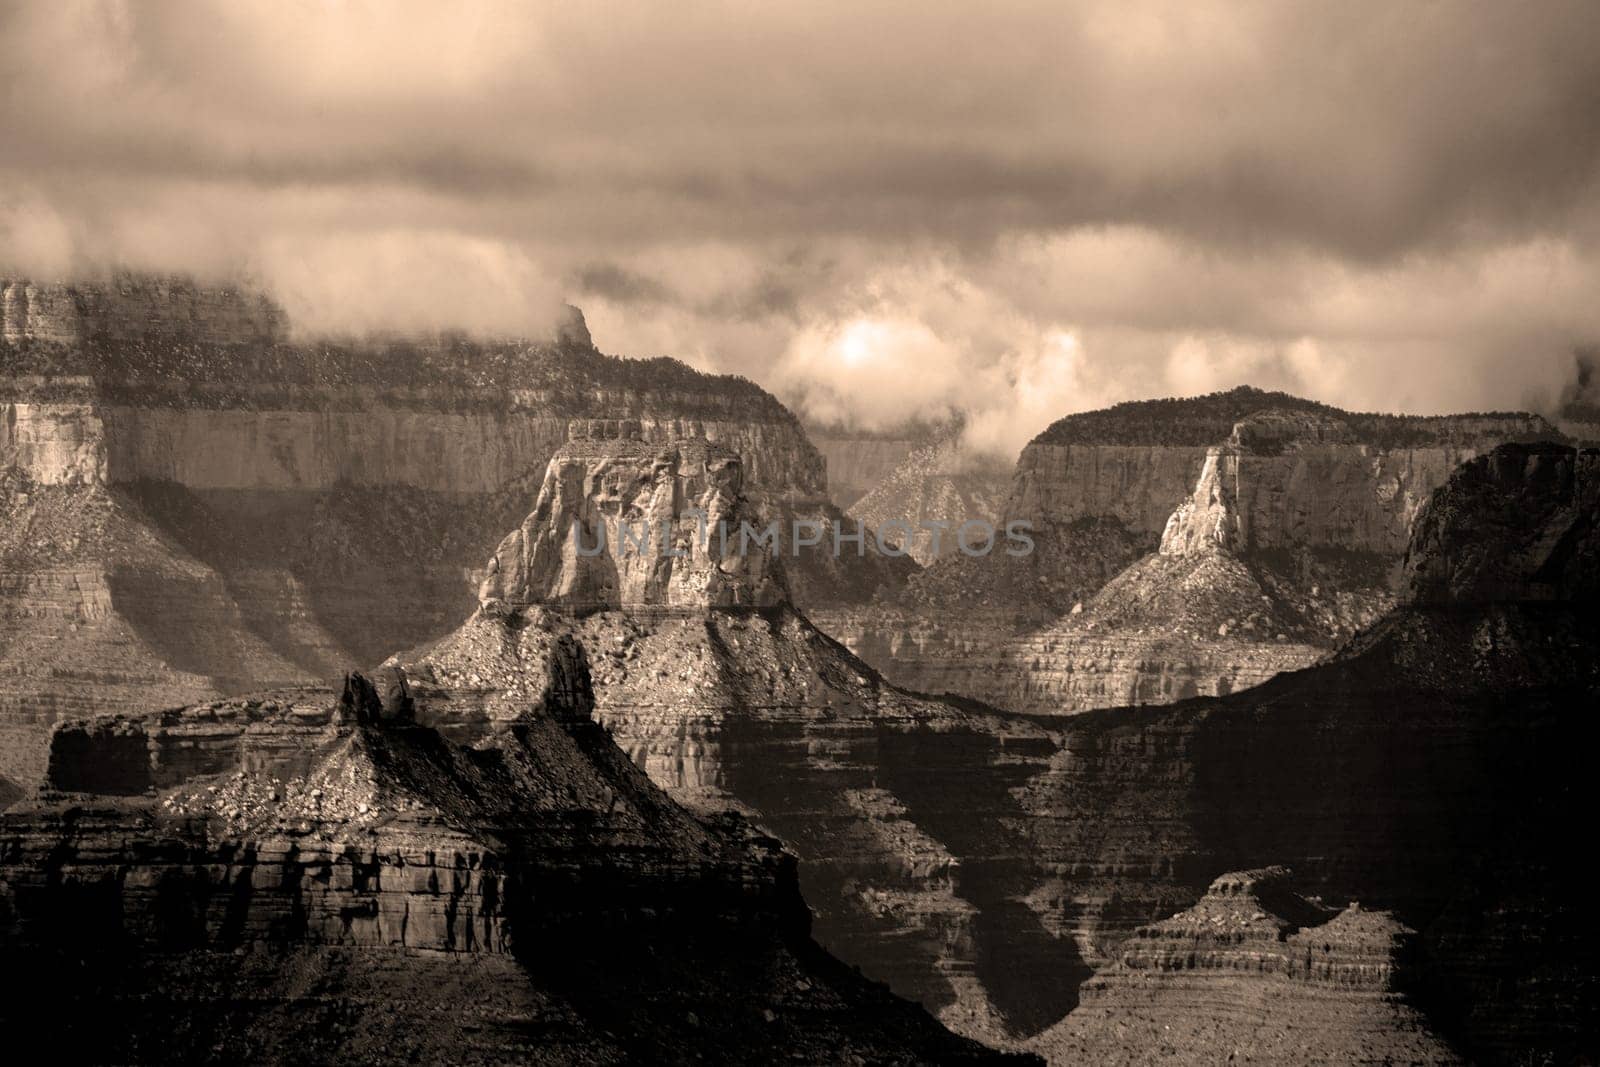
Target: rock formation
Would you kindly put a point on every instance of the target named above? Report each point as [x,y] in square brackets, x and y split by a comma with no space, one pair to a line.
[938,483]
[1188,547]
[911,844]
[299,878]
[1432,768]
[859,460]
[623,524]
[132,308]
[1253,972]
[982,865]
[322,501]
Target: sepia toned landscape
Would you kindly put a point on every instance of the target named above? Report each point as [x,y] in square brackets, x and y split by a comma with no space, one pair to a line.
[814,557]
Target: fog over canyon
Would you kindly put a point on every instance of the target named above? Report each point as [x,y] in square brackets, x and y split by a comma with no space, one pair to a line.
[869,534]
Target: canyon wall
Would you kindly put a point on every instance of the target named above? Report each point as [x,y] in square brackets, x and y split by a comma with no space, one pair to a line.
[1455,813]
[986,865]
[303,877]
[127,307]
[238,510]
[53,444]
[1313,507]
[901,808]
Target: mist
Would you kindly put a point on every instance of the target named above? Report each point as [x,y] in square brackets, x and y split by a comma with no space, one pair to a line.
[881,214]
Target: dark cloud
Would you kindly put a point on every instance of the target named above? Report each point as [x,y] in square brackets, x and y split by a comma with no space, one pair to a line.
[1191,190]
[611,282]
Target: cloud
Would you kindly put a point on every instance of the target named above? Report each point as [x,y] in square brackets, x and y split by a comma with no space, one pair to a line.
[1386,205]
[408,282]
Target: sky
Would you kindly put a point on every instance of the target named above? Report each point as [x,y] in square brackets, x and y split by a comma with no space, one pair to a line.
[1009,211]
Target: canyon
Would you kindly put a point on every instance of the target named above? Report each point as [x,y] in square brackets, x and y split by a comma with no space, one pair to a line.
[1256,633]
[1182,548]
[199,504]
[1254,972]
[1432,768]
[312,876]
[988,864]
[709,675]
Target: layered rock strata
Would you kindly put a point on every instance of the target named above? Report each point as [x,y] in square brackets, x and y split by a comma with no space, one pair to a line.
[327,499]
[293,877]
[901,808]
[1433,768]
[1254,972]
[1168,565]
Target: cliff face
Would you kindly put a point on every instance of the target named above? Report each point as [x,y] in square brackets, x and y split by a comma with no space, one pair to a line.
[329,501]
[53,444]
[293,877]
[1121,600]
[859,460]
[1253,971]
[131,307]
[937,483]
[900,807]
[1455,813]
[620,524]
[100,610]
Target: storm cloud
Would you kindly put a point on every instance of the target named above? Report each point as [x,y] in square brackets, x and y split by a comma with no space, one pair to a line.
[878,210]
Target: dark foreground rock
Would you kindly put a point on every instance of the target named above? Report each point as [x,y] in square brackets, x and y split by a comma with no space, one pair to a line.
[914,851]
[1436,768]
[302,877]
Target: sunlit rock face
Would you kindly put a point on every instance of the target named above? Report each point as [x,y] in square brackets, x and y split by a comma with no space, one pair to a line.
[1253,970]
[196,503]
[55,444]
[624,524]
[1433,767]
[717,685]
[1182,548]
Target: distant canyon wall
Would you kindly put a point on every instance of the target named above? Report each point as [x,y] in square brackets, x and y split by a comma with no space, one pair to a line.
[1315,505]
[242,510]
[310,448]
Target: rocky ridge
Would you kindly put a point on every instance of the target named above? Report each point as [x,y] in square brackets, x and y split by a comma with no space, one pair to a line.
[1455,816]
[327,499]
[900,807]
[298,876]
[1167,565]
[937,483]
[1254,972]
